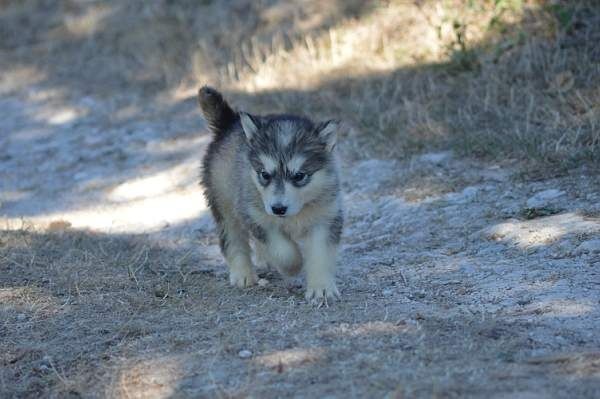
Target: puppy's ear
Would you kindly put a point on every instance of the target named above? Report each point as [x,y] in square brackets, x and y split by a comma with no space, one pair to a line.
[249,125]
[328,132]
[215,109]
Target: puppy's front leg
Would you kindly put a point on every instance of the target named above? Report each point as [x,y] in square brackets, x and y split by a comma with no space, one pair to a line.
[236,248]
[320,259]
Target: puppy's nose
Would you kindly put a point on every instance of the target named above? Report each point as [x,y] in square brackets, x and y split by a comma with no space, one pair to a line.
[279,209]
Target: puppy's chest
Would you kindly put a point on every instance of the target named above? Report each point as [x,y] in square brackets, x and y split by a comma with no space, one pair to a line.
[299,226]
[295,229]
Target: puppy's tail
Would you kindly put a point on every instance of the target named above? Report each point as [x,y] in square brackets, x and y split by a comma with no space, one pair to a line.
[216,111]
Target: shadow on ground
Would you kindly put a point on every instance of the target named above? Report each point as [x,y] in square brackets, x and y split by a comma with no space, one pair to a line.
[90,314]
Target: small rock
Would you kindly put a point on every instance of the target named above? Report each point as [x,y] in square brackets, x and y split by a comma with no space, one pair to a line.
[387,292]
[542,198]
[21,317]
[263,282]
[245,354]
[588,247]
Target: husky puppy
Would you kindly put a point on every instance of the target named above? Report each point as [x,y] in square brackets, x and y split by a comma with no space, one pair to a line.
[273,181]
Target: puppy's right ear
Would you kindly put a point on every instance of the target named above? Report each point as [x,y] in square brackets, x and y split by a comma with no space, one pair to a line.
[249,125]
[215,109]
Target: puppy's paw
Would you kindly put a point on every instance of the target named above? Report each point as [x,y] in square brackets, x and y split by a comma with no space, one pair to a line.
[322,293]
[242,278]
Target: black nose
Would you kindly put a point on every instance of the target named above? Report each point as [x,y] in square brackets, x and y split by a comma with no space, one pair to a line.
[279,210]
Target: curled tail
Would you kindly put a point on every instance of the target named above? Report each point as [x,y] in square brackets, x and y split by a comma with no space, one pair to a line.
[216,111]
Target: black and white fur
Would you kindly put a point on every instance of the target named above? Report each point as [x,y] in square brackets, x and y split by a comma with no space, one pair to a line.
[273,181]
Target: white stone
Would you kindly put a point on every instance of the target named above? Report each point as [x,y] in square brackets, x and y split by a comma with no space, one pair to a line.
[245,354]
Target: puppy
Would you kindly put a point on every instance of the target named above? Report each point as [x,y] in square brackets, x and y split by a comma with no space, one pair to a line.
[273,180]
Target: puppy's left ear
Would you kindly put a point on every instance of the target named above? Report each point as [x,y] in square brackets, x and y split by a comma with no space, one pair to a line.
[249,125]
[328,132]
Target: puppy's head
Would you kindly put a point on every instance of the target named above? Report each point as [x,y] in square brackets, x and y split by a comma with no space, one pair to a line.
[292,160]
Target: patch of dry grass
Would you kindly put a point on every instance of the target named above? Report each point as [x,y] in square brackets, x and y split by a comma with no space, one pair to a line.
[518,81]
[92,315]
[511,79]
[70,301]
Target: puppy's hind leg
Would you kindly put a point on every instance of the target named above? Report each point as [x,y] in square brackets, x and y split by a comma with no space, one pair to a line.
[236,249]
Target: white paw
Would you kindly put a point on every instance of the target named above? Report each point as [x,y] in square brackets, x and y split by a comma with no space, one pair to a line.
[321,293]
[242,278]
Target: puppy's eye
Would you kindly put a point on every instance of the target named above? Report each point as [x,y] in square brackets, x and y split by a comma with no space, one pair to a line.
[264,177]
[299,177]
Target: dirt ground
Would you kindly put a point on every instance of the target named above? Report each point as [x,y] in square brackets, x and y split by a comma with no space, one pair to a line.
[459,278]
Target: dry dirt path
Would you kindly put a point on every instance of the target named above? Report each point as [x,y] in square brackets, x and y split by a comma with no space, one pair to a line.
[459,279]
